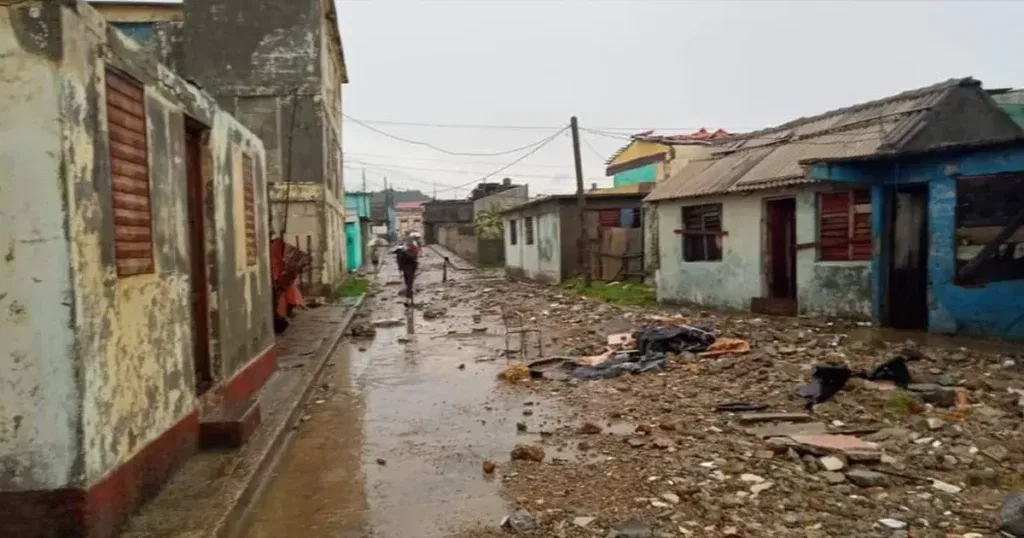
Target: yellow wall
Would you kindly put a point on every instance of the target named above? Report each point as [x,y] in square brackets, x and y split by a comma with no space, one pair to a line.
[639,149]
[140,13]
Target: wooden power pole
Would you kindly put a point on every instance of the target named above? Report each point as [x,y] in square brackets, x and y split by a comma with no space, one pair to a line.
[581,200]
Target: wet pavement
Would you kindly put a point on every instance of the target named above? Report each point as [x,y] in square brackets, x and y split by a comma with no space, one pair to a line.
[391,444]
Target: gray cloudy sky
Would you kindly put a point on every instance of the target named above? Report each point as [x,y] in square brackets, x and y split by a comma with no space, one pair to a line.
[632,65]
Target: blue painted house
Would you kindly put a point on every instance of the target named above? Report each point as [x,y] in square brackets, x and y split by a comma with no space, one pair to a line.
[947,208]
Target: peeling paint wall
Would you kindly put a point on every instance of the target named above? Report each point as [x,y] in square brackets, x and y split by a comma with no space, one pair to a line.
[828,288]
[541,260]
[39,385]
[273,64]
[131,377]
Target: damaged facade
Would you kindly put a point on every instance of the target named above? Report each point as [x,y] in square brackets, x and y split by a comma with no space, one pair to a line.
[745,226]
[134,281]
[278,66]
[542,236]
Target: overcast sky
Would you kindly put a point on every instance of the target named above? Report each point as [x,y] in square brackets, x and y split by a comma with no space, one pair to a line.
[624,66]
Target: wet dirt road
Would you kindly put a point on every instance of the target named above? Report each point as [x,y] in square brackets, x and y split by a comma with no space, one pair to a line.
[392,442]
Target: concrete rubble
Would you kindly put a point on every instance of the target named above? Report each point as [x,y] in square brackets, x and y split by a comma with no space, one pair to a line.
[654,457]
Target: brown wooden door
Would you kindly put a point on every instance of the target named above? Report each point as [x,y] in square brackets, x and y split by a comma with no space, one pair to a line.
[197,256]
[781,253]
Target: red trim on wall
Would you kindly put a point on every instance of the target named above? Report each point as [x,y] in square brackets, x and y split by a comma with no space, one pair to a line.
[99,511]
[247,381]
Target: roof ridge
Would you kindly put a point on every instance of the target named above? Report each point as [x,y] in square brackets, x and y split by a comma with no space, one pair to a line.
[906,94]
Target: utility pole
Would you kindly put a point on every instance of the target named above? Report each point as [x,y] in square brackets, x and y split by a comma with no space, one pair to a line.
[435,191]
[581,200]
[364,181]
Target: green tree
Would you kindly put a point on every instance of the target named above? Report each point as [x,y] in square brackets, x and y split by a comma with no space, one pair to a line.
[489,225]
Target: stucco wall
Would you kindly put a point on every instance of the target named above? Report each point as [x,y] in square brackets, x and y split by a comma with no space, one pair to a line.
[133,363]
[829,288]
[541,260]
[39,387]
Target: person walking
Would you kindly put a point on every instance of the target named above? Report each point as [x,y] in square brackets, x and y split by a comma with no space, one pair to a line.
[376,246]
[407,255]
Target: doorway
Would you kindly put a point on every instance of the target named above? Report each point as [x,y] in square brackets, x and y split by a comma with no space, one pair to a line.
[781,248]
[908,261]
[200,292]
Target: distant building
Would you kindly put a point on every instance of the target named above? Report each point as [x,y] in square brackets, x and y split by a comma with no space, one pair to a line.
[542,237]
[410,217]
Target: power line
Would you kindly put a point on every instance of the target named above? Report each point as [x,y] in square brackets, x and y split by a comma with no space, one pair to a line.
[525,127]
[446,170]
[443,150]
[523,157]
[448,161]
[592,149]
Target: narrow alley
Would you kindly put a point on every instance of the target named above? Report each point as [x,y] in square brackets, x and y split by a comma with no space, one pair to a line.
[392,441]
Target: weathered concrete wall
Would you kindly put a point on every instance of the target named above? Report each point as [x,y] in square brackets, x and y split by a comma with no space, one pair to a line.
[40,390]
[501,201]
[244,326]
[275,65]
[132,372]
[829,288]
[540,260]
[254,47]
[460,239]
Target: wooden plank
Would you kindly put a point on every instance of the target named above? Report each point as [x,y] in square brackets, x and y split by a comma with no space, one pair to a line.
[694,233]
[981,235]
[127,137]
[132,234]
[135,250]
[130,153]
[125,85]
[129,185]
[129,170]
[127,121]
[126,104]
[135,202]
[968,270]
[128,217]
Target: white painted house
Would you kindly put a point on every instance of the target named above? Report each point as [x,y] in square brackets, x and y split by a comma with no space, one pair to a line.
[743,226]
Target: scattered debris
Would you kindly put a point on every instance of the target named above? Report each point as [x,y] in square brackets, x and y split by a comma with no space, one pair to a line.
[515,372]
[1011,514]
[489,466]
[382,461]
[385,323]
[527,452]
[589,428]
[519,521]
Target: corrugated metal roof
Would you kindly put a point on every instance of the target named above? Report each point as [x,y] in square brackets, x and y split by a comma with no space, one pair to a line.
[771,157]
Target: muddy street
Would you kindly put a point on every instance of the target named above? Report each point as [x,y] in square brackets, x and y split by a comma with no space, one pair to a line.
[391,443]
[394,441]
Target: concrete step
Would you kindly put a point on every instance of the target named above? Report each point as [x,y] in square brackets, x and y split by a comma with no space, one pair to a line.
[228,426]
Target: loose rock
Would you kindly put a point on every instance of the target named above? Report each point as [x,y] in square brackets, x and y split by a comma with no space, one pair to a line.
[527,452]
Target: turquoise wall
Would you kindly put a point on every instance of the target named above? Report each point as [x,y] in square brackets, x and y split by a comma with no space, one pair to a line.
[354,245]
[647,172]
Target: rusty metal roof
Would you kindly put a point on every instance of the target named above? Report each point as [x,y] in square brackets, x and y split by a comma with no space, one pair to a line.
[771,157]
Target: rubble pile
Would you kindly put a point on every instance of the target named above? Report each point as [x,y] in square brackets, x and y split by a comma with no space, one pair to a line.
[801,427]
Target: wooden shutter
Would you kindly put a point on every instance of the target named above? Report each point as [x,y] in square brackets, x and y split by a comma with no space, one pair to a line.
[129,175]
[844,227]
[860,235]
[248,196]
[609,218]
